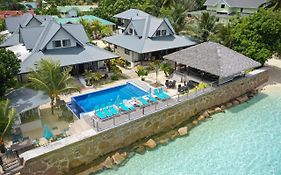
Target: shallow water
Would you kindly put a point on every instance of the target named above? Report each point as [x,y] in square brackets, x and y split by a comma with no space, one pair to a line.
[244,140]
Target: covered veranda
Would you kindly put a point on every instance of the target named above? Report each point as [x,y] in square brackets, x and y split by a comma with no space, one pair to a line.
[211,62]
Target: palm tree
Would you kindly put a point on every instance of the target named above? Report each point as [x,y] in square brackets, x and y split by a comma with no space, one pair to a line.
[275,4]
[203,28]
[223,34]
[7,116]
[155,65]
[52,79]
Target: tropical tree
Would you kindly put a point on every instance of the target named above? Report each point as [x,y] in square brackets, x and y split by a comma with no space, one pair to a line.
[155,65]
[258,36]
[274,4]
[223,34]
[203,28]
[9,68]
[52,79]
[167,68]
[7,116]
[142,72]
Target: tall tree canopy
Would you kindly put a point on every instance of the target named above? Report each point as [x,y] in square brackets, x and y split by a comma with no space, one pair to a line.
[9,68]
[258,36]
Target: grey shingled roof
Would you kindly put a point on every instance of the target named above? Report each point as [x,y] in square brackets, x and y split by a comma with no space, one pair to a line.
[213,58]
[237,3]
[14,22]
[131,13]
[144,42]
[24,99]
[67,56]
[30,35]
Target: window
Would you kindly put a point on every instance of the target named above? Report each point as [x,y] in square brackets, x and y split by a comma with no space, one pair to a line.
[158,33]
[66,43]
[130,31]
[241,10]
[222,6]
[163,32]
[126,51]
[56,43]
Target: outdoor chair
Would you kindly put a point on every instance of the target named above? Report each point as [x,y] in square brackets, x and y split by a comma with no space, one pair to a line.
[143,101]
[151,98]
[126,108]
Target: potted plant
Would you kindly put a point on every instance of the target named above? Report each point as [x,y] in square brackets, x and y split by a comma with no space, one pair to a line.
[142,72]
[7,116]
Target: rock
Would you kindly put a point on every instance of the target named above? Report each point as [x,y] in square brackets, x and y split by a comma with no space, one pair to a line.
[211,111]
[194,122]
[182,131]
[164,141]
[201,118]
[140,149]
[206,114]
[229,104]
[108,163]
[243,98]
[75,163]
[223,107]
[150,144]
[235,102]
[119,158]
[218,109]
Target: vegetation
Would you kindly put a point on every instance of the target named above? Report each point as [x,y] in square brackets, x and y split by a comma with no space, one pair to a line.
[95,29]
[121,62]
[9,68]
[11,5]
[167,68]
[155,65]
[7,116]
[92,77]
[52,79]
[203,28]
[258,36]
[142,72]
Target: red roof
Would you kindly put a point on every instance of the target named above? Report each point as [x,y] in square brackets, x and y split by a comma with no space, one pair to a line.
[6,13]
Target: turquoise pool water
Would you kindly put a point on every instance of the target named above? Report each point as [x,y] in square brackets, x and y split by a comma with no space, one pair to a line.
[88,102]
[245,140]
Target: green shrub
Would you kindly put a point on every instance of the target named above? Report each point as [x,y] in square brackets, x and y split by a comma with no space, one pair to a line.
[142,72]
[167,68]
[115,77]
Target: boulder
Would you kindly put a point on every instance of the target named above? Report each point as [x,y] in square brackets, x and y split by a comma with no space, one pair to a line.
[211,111]
[223,107]
[164,141]
[243,98]
[235,102]
[119,158]
[140,149]
[218,109]
[229,104]
[201,118]
[150,144]
[108,163]
[194,122]
[206,114]
[182,131]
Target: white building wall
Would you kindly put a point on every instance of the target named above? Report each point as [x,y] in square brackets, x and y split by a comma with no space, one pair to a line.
[72,13]
[61,35]
[164,26]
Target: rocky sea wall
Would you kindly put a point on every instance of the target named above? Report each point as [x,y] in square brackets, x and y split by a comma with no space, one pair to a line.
[90,146]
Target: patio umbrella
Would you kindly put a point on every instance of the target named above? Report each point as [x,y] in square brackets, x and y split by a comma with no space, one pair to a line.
[47,133]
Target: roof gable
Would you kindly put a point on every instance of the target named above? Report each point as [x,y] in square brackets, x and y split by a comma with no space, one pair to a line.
[131,13]
[237,3]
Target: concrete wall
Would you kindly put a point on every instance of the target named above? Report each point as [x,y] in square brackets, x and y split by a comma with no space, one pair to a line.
[131,57]
[61,157]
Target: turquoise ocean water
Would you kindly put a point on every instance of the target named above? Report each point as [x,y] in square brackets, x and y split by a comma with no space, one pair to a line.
[246,140]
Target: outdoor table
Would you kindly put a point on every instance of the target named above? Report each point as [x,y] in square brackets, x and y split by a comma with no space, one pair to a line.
[22,146]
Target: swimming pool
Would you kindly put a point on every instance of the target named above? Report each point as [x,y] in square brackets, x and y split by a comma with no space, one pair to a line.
[87,102]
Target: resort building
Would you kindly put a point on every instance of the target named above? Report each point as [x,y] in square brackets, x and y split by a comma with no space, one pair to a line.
[67,43]
[225,9]
[6,13]
[147,38]
[73,10]
[125,17]
[13,23]
[212,62]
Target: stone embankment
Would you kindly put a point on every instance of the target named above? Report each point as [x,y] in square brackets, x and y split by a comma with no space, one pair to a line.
[118,159]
